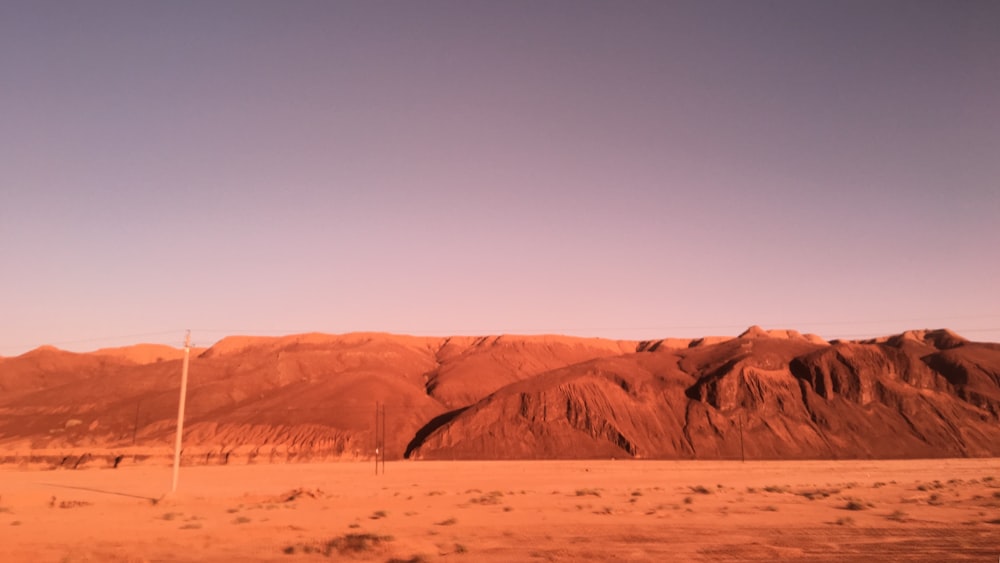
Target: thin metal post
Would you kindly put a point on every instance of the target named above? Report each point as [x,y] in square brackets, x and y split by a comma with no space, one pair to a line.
[742,456]
[135,426]
[180,411]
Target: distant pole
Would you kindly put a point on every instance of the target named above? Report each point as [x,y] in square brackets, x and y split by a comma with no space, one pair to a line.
[180,410]
[379,436]
[135,426]
[743,458]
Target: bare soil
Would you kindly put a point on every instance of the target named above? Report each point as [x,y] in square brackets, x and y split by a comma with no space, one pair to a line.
[912,510]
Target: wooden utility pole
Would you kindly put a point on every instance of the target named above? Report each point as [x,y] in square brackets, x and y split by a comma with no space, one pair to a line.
[180,410]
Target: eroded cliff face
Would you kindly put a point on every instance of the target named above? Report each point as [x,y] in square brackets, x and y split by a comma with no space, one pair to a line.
[762,395]
[919,394]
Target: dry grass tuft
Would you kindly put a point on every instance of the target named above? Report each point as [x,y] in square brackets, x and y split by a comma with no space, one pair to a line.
[448,522]
[897,516]
[846,521]
[348,544]
[493,497]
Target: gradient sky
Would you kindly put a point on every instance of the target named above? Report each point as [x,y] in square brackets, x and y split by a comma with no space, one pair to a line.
[621,169]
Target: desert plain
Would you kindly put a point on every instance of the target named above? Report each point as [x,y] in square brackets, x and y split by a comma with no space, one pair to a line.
[597,510]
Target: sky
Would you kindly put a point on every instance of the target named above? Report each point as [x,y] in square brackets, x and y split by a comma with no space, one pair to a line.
[623,169]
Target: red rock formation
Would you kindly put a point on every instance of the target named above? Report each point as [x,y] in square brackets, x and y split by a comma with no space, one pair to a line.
[764,394]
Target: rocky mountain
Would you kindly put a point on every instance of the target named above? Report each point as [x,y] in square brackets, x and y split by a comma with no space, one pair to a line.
[761,395]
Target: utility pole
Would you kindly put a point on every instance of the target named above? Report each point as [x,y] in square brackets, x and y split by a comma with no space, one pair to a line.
[742,457]
[379,435]
[180,410]
[135,426]
[383,438]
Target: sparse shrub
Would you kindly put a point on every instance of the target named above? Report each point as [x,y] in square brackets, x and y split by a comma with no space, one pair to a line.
[492,497]
[585,492]
[847,520]
[15,523]
[934,500]
[897,516]
[191,526]
[996,494]
[448,522]
[343,545]
[171,515]
[507,508]
[688,500]
[73,503]
[355,543]
[854,505]
[813,494]
[241,520]
[637,493]
[459,548]
[378,514]
[751,490]
[700,489]
[770,508]
[775,489]
[878,485]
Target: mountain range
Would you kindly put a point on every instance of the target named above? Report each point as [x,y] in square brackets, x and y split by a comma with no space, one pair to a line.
[765,394]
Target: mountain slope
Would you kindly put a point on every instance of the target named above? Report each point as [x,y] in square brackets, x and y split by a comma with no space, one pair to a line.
[763,394]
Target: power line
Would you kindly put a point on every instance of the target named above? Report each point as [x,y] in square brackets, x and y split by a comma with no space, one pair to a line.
[96,339]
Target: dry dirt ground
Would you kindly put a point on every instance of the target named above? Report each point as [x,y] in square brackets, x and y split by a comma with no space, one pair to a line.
[926,510]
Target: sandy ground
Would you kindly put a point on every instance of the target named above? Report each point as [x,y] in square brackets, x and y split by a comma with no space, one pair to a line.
[914,510]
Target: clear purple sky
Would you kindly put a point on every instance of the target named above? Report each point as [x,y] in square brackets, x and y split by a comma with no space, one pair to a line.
[621,169]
